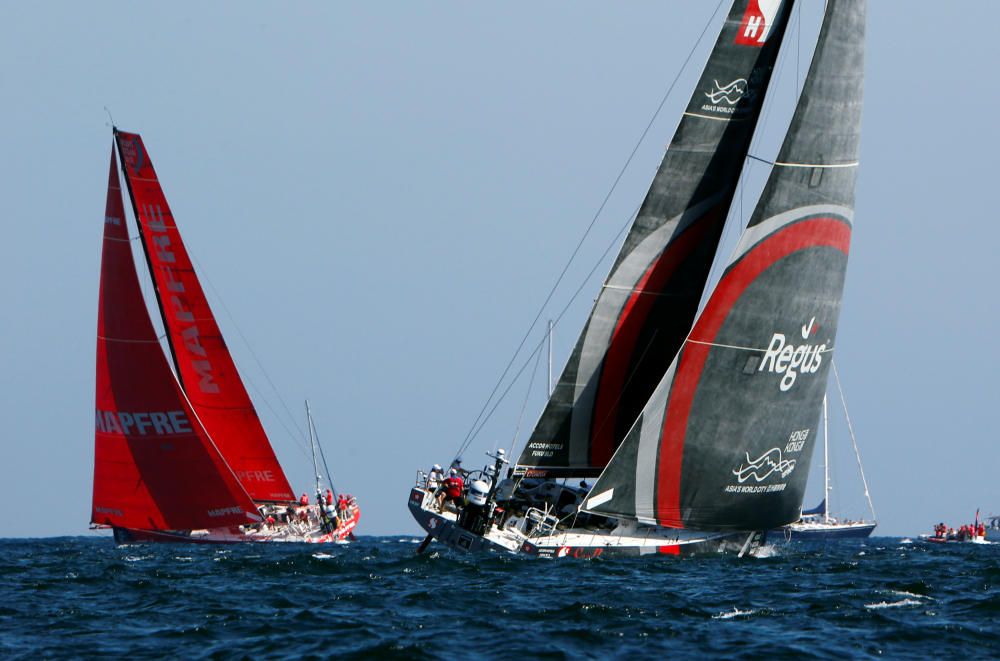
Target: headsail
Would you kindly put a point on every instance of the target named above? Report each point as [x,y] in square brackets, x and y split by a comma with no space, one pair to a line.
[204,365]
[146,434]
[726,439]
[649,300]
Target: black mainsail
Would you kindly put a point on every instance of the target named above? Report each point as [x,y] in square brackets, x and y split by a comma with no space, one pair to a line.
[650,298]
[726,439]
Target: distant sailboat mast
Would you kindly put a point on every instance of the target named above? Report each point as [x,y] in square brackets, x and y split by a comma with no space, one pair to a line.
[550,359]
[826,463]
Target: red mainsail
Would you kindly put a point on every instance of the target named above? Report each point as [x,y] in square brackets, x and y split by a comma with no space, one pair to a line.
[154,465]
[204,365]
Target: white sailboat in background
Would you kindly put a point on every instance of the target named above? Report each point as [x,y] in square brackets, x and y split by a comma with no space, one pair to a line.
[817,524]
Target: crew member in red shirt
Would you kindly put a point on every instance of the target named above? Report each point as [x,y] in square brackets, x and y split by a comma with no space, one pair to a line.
[452,488]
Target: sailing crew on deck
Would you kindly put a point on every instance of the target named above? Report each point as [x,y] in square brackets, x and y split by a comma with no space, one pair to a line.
[329,497]
[457,466]
[303,499]
[435,477]
[452,490]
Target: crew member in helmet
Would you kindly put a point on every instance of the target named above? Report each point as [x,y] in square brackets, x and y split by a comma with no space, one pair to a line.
[452,490]
[435,477]
[457,466]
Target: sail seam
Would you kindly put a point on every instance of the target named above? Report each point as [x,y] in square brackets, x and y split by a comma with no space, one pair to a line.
[116,339]
[717,119]
[645,292]
[817,165]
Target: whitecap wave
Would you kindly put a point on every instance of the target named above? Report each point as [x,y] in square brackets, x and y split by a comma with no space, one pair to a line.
[736,612]
[893,604]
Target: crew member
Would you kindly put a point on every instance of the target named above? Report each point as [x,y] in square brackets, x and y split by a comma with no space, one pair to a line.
[457,466]
[452,491]
[435,477]
[329,497]
[303,499]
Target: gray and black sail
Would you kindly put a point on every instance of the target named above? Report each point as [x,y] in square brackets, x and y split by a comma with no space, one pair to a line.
[726,439]
[649,300]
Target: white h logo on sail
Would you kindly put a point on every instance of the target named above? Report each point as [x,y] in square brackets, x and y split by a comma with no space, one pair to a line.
[757,21]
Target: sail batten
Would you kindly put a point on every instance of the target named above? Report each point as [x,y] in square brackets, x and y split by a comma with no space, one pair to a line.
[726,439]
[202,360]
[650,298]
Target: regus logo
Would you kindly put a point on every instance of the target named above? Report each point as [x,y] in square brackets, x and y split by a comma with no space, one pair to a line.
[785,358]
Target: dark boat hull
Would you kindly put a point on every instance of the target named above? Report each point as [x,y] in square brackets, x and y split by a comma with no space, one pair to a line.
[578,544]
[832,532]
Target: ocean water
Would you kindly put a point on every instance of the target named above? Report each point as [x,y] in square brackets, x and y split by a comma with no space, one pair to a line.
[885,597]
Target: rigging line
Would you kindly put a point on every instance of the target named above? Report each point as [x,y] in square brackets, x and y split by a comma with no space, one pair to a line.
[253,353]
[593,221]
[527,395]
[277,416]
[854,440]
[758,158]
[555,322]
[322,456]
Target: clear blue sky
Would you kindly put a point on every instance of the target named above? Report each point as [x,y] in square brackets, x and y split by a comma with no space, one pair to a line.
[382,195]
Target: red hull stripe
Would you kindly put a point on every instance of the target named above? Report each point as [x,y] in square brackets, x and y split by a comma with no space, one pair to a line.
[621,350]
[669,550]
[812,233]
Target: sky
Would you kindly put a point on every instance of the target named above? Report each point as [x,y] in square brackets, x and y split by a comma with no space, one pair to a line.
[379,197]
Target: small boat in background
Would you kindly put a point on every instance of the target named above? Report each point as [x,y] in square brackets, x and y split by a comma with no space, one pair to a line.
[970,533]
[179,452]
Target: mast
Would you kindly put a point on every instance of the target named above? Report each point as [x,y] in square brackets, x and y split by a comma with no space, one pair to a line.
[650,297]
[312,447]
[826,464]
[550,359]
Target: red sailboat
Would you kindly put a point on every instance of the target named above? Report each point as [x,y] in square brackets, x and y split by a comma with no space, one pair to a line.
[180,454]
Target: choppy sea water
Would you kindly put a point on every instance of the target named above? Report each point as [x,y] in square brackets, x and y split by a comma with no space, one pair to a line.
[85,597]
